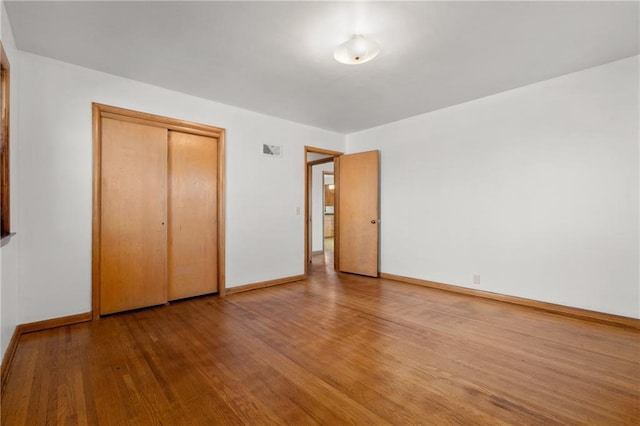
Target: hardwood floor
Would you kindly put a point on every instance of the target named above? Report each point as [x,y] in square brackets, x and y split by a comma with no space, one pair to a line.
[333,349]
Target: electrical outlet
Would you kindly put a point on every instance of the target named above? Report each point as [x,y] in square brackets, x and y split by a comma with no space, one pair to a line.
[297,211]
[476,279]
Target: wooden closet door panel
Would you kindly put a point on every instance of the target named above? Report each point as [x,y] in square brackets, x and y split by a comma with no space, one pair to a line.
[193,206]
[133,240]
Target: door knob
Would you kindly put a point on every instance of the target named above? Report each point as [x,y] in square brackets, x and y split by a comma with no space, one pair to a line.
[373,221]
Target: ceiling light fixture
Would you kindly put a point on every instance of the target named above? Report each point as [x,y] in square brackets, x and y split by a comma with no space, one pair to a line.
[357,50]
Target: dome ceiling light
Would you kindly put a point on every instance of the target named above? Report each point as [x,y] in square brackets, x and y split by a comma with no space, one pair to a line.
[357,50]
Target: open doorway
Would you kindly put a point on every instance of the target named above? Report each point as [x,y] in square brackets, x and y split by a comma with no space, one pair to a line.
[356,210]
[328,211]
[320,210]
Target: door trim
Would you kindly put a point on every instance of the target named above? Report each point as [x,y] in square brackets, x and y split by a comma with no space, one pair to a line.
[331,155]
[105,111]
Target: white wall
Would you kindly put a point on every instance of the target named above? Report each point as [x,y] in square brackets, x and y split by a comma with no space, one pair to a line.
[535,189]
[9,253]
[317,211]
[265,238]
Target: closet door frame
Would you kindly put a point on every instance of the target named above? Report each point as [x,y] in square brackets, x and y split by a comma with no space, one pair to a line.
[101,111]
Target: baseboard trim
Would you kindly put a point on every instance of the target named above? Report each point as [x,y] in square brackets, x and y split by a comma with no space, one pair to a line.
[264,284]
[54,323]
[33,327]
[568,311]
[8,358]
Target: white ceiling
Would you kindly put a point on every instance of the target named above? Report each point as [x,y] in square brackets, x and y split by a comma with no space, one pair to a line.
[276,57]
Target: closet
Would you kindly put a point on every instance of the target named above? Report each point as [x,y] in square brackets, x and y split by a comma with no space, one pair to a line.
[157,210]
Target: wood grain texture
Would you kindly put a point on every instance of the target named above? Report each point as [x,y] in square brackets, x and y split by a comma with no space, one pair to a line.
[122,114]
[8,358]
[96,210]
[193,215]
[329,226]
[549,307]
[328,195]
[133,234]
[264,284]
[5,147]
[316,150]
[332,349]
[101,111]
[357,178]
[222,280]
[33,327]
[53,323]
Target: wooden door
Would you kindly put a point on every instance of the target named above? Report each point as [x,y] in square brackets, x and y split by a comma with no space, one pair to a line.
[133,231]
[357,178]
[193,206]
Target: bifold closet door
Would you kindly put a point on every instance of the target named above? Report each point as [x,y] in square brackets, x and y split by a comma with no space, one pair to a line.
[133,224]
[193,177]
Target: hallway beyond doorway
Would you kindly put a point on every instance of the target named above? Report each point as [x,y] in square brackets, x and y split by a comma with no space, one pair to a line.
[328,244]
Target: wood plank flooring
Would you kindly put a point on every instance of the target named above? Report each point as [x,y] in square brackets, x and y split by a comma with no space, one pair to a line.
[334,349]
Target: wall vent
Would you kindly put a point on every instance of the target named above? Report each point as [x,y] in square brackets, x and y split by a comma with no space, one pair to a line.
[272,150]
